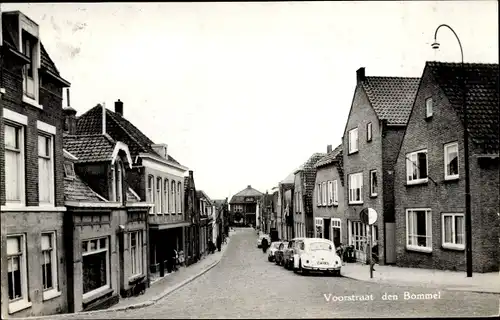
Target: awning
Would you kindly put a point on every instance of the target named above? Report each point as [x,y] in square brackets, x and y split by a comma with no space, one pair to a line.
[168,226]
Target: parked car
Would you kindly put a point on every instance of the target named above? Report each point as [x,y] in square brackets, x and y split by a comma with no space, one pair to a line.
[289,253]
[259,240]
[316,254]
[278,255]
[272,250]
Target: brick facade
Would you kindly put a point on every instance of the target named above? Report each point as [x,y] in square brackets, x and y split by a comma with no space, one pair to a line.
[443,196]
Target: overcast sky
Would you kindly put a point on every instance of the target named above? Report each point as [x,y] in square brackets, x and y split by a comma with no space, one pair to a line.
[244,93]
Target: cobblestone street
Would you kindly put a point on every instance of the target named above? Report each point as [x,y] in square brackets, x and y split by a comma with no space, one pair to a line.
[245,284]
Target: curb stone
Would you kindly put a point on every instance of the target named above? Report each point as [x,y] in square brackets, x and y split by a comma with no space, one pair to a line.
[137,305]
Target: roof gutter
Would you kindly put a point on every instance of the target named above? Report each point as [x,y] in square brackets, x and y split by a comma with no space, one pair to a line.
[163,161]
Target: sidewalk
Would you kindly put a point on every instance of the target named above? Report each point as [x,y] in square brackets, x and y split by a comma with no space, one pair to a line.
[172,281]
[450,280]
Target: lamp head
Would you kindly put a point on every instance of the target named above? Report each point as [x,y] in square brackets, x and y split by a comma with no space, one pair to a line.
[435,45]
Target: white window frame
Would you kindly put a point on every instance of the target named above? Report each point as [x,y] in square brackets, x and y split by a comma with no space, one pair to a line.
[369,132]
[158,191]
[97,291]
[452,245]
[353,141]
[53,292]
[335,223]
[330,193]
[179,197]
[428,235]
[355,177]
[23,302]
[35,63]
[69,170]
[166,189]
[119,181]
[372,188]
[172,192]
[319,222]
[448,176]
[429,107]
[324,193]
[411,163]
[18,121]
[136,263]
[318,194]
[335,193]
[150,189]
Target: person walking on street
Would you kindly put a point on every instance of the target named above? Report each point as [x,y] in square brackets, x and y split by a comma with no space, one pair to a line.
[219,242]
[264,245]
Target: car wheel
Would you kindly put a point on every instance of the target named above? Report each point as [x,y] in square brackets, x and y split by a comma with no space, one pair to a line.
[302,270]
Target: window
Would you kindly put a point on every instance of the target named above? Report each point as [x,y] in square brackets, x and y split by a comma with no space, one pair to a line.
[419,230]
[357,236]
[330,193]
[318,195]
[335,193]
[95,266]
[119,181]
[416,167]
[150,194]
[369,131]
[30,48]
[453,231]
[136,253]
[14,164]
[158,195]
[179,199]
[17,272]
[319,227]
[174,203]
[69,170]
[336,232]
[428,107]
[353,140]
[49,265]
[355,188]
[165,197]
[373,183]
[323,194]
[451,161]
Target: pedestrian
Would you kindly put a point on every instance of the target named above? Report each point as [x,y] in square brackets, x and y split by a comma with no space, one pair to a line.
[219,243]
[264,245]
[170,263]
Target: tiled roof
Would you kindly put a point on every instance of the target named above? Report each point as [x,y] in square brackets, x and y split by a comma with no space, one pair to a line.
[391,97]
[118,127]
[77,190]
[89,148]
[47,61]
[247,192]
[481,98]
[308,173]
[336,158]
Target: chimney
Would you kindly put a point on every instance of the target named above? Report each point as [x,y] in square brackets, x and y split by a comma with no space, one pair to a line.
[249,187]
[360,75]
[329,148]
[191,174]
[69,120]
[119,107]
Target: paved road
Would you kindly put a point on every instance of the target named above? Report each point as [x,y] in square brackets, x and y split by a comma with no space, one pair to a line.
[246,285]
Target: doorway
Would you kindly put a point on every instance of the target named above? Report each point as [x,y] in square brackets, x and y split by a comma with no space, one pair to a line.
[327,229]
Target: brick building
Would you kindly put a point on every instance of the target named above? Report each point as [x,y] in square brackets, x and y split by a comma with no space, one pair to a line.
[33,261]
[372,137]
[303,197]
[328,207]
[285,207]
[156,177]
[192,210]
[429,184]
[206,209]
[244,206]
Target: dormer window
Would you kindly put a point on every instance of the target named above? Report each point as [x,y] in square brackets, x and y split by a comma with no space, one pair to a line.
[30,47]
[116,182]
[69,170]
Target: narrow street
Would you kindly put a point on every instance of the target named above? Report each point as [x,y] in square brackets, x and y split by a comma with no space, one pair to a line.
[245,284]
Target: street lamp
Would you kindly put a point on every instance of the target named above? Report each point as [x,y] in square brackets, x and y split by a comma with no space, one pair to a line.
[468,218]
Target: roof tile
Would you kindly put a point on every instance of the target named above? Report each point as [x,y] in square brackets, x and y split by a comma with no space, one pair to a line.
[77,190]
[89,148]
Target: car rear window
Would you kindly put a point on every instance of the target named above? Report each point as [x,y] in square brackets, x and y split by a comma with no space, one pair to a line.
[314,246]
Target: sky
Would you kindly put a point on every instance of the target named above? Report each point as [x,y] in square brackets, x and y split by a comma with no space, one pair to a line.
[244,93]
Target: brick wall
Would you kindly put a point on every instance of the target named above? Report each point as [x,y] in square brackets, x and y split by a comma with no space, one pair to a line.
[369,157]
[445,196]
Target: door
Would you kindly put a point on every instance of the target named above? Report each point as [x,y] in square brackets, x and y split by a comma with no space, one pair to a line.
[336,232]
[327,229]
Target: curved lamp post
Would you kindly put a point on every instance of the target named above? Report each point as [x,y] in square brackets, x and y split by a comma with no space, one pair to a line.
[468,218]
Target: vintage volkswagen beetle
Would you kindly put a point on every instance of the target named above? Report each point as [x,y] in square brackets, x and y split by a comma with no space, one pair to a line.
[316,254]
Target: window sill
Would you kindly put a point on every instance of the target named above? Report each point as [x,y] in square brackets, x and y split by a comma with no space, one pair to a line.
[2,90]
[353,152]
[32,102]
[418,249]
[451,179]
[51,294]
[356,203]
[12,207]
[18,306]
[374,195]
[417,183]
[451,246]
[96,294]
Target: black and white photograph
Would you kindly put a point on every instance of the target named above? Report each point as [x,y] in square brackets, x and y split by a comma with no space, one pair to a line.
[246,159]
